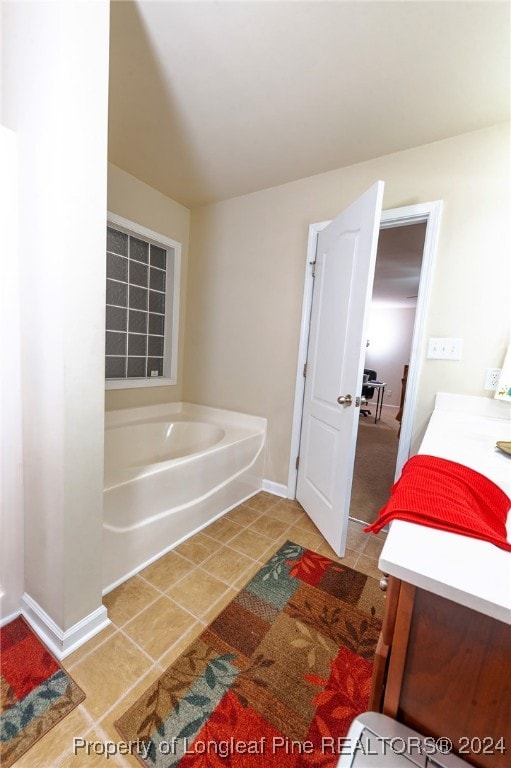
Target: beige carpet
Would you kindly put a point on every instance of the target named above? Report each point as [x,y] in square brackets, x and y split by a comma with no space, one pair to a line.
[375,464]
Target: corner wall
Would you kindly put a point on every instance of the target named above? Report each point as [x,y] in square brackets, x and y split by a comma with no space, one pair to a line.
[55,98]
[247,265]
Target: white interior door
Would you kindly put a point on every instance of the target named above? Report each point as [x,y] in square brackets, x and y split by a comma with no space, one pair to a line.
[344,273]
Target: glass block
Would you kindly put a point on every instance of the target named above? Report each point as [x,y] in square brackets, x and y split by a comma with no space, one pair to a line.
[157,279]
[137,344]
[137,321]
[138,273]
[116,293]
[155,346]
[158,257]
[138,297]
[156,325]
[154,364]
[136,367]
[117,267]
[139,250]
[115,367]
[115,343]
[157,302]
[116,242]
[116,319]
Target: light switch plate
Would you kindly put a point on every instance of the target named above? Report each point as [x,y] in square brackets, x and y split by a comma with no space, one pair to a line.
[445,349]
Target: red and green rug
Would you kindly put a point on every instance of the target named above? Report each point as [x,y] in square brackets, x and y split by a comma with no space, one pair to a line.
[36,693]
[276,678]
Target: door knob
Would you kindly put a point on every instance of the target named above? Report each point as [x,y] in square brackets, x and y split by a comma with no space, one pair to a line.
[345,400]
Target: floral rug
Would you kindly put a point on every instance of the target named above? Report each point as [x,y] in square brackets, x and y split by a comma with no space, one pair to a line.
[36,693]
[275,679]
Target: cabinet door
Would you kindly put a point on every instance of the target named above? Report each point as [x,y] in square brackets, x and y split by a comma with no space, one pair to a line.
[456,680]
[382,654]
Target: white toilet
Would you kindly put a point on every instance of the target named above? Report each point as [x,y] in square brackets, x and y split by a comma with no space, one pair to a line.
[378,741]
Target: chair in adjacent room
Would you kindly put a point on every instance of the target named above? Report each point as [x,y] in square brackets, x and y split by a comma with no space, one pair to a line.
[367,389]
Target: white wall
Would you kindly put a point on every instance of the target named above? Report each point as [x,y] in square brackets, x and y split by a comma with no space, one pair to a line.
[55,97]
[247,264]
[390,341]
[11,446]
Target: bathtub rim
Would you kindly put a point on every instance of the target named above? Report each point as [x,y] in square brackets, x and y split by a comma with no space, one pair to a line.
[219,416]
[138,467]
[237,427]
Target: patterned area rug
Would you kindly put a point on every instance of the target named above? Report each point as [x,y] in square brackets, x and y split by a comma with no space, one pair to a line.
[36,693]
[276,678]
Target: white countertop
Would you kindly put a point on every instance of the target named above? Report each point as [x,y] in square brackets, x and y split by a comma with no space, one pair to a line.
[469,571]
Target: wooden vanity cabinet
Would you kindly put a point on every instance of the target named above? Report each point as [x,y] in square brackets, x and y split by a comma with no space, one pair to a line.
[445,670]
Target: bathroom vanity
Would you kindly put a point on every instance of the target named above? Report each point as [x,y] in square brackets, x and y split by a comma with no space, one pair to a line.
[443,661]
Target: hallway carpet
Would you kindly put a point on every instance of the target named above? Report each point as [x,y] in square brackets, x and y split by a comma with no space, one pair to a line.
[375,466]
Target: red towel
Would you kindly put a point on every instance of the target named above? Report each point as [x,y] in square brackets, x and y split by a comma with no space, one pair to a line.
[450,496]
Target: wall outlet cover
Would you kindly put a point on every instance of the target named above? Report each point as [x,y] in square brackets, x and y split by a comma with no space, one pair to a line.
[491,379]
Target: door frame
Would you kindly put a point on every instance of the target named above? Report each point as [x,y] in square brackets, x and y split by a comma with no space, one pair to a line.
[393,217]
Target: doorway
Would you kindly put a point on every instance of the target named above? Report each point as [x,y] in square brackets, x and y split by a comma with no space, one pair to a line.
[429,214]
[390,331]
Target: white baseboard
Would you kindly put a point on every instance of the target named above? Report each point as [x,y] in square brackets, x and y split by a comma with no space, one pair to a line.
[276,488]
[6,619]
[61,643]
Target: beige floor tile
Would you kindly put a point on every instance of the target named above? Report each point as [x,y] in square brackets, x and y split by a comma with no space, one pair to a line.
[159,626]
[269,526]
[197,548]
[286,510]
[305,538]
[90,756]
[306,523]
[107,722]
[45,751]
[227,565]
[261,502]
[356,538]
[243,515]
[246,576]
[197,591]
[128,599]
[215,609]
[106,673]
[251,543]
[373,546]
[349,559]
[369,566]
[276,544]
[223,530]
[87,647]
[181,645]
[167,570]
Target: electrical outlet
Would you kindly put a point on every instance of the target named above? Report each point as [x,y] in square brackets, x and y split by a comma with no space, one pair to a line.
[388,392]
[491,379]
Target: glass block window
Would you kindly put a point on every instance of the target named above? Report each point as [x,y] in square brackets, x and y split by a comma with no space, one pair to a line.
[141,304]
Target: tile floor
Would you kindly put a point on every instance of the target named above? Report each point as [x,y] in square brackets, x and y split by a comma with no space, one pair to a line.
[159,611]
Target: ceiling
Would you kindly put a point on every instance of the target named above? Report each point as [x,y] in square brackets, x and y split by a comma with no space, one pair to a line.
[398,266]
[211,100]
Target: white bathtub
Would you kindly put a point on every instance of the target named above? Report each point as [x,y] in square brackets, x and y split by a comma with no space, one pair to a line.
[169,471]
